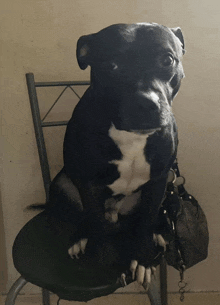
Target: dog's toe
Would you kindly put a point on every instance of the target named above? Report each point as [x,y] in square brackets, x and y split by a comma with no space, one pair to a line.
[159,241]
[133,268]
[141,274]
[78,248]
[148,276]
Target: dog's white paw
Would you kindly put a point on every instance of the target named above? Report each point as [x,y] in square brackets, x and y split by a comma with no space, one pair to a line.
[78,248]
[141,274]
[159,240]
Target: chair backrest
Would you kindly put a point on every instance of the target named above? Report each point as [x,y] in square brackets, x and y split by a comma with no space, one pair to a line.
[40,123]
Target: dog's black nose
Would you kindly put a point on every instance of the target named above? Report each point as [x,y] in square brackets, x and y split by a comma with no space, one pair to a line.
[148,100]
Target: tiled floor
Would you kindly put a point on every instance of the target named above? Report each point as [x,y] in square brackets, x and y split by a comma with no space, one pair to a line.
[126,299]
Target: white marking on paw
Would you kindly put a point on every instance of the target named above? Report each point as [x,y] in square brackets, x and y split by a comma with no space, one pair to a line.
[140,274]
[147,278]
[143,275]
[123,280]
[133,268]
[159,240]
[78,248]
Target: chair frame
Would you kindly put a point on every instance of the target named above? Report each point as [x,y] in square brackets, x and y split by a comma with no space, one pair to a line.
[39,124]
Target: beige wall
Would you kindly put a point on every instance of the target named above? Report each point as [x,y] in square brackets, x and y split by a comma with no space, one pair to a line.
[40,36]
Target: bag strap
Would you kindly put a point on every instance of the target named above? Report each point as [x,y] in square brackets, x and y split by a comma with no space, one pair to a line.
[178,191]
[182,192]
[181,189]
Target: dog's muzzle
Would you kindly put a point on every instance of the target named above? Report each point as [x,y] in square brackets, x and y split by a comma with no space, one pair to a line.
[149,100]
[143,111]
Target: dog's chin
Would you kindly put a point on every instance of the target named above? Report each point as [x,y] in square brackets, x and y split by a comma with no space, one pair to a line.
[140,130]
[145,131]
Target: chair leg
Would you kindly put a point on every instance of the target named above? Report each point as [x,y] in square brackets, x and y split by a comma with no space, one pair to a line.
[154,293]
[163,281]
[45,297]
[14,291]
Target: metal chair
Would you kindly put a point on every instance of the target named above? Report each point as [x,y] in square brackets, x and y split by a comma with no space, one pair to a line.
[26,253]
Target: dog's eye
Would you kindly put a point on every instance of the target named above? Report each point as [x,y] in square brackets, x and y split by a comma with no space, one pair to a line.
[168,60]
[114,66]
[109,66]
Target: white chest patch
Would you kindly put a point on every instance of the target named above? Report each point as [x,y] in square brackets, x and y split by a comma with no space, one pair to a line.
[133,168]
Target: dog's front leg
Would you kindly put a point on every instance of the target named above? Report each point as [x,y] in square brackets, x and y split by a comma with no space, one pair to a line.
[93,222]
[145,248]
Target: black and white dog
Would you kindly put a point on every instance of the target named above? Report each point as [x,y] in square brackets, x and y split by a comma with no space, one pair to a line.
[122,139]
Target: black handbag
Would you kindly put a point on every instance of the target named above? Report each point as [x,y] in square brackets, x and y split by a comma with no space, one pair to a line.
[183,225]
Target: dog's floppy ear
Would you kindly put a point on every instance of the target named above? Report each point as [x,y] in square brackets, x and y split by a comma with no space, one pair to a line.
[83,51]
[177,31]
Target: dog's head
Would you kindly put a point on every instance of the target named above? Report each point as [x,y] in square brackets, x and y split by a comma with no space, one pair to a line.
[137,69]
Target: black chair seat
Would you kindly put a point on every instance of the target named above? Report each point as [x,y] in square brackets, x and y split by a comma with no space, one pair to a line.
[40,254]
